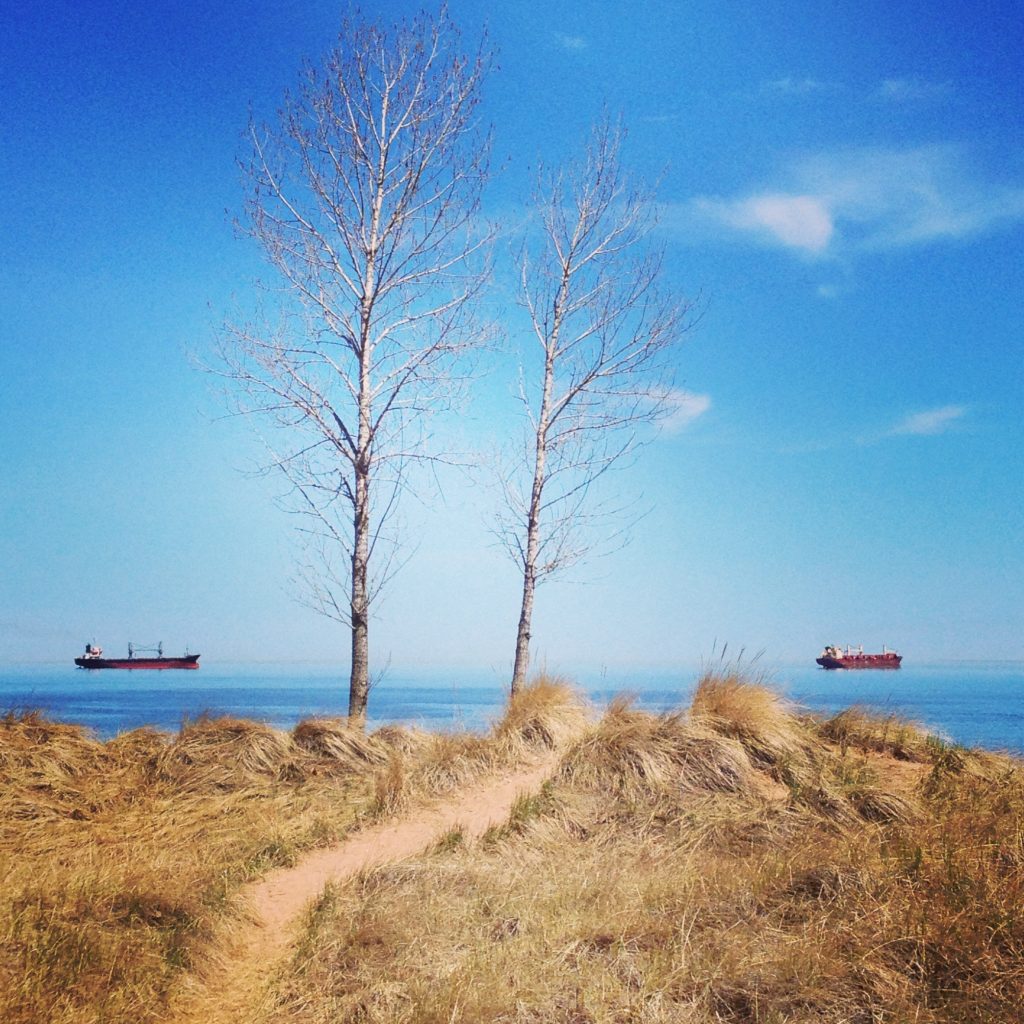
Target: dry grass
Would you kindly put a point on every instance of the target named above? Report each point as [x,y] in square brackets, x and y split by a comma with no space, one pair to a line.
[225,754]
[635,754]
[119,860]
[889,734]
[547,714]
[661,877]
[735,861]
[339,747]
[759,718]
[542,715]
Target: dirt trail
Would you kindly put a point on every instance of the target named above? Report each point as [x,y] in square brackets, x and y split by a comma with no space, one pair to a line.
[234,986]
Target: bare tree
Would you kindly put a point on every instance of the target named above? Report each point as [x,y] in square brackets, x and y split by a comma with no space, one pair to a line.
[364,198]
[603,333]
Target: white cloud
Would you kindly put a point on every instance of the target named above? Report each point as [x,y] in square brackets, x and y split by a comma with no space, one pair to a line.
[887,198]
[930,422]
[683,407]
[790,86]
[797,221]
[867,199]
[572,43]
[911,90]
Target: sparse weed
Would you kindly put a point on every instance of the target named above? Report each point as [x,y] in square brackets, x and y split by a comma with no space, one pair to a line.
[889,734]
[451,840]
[389,788]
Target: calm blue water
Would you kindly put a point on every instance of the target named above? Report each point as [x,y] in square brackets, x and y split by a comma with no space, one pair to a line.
[975,703]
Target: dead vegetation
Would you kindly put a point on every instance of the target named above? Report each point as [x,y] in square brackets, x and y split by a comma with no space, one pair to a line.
[117,858]
[735,861]
[119,861]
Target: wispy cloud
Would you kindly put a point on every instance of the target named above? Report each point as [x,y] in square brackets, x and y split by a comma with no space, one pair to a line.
[797,86]
[571,43]
[683,407]
[907,89]
[930,422]
[913,90]
[865,199]
[945,419]
[797,221]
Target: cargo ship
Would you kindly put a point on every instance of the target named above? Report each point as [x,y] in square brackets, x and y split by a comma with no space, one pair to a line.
[138,657]
[835,657]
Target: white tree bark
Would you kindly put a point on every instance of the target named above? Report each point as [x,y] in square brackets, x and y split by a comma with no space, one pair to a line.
[364,198]
[602,367]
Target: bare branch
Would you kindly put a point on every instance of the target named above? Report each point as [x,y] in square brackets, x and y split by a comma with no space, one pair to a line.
[589,286]
[364,198]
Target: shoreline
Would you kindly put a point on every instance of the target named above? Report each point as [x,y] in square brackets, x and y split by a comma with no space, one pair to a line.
[975,707]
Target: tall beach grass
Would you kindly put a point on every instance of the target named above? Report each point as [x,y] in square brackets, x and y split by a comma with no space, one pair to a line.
[734,860]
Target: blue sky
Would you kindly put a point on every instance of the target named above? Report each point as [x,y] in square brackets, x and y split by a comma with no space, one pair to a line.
[843,185]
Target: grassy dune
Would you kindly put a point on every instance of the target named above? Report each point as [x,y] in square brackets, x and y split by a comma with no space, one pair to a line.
[119,861]
[733,861]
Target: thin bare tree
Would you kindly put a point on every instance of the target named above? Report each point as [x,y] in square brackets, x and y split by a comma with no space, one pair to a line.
[598,366]
[364,198]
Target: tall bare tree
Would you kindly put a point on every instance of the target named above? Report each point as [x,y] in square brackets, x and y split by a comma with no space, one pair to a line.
[364,198]
[602,334]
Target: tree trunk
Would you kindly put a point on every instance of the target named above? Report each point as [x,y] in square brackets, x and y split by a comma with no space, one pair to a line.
[522,662]
[359,680]
[359,611]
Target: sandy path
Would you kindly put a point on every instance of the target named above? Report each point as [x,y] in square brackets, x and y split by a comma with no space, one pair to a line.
[234,989]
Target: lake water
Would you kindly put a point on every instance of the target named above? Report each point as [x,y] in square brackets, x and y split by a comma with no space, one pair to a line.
[975,703]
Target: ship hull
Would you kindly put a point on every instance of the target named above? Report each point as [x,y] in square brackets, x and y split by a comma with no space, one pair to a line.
[860,661]
[189,661]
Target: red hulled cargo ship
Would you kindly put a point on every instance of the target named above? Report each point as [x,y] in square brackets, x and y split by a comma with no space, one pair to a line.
[93,658]
[835,657]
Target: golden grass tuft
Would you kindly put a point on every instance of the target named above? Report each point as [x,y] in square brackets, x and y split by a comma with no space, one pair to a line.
[633,752]
[46,756]
[788,747]
[546,713]
[449,760]
[225,753]
[391,791]
[761,719]
[55,773]
[137,747]
[401,739]
[338,745]
[886,734]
